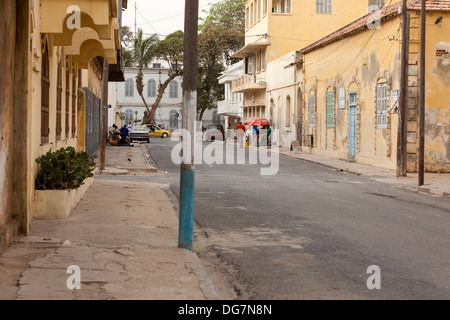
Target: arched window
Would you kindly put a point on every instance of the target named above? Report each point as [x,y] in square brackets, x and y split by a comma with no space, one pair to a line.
[129,115]
[151,88]
[173,89]
[173,119]
[288,111]
[129,88]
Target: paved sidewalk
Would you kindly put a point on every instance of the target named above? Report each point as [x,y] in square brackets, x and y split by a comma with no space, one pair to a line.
[123,236]
[435,183]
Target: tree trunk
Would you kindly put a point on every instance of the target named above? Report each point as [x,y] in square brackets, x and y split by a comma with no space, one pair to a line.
[149,116]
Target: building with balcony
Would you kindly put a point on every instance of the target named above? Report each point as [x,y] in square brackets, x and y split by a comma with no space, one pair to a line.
[231,106]
[51,66]
[275,31]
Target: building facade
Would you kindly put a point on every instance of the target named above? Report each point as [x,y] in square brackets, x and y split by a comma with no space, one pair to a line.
[350,90]
[45,44]
[275,30]
[231,108]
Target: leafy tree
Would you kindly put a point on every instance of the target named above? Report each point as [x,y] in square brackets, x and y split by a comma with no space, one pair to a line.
[171,51]
[127,42]
[144,53]
[221,34]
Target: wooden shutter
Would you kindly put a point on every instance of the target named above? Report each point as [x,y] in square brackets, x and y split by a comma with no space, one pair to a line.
[67,100]
[45,96]
[59,102]
[330,109]
[74,104]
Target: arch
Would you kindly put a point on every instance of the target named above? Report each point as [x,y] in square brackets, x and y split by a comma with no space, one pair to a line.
[54,13]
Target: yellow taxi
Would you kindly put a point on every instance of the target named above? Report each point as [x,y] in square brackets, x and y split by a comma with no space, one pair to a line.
[156,131]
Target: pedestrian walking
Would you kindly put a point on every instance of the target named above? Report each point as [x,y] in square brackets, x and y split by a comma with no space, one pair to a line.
[240,130]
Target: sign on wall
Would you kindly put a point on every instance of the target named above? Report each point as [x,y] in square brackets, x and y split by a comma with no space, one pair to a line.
[395,97]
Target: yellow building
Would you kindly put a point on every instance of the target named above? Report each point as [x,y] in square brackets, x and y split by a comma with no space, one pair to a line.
[275,29]
[350,81]
[44,44]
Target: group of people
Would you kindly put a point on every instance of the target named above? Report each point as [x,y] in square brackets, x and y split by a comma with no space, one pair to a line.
[119,137]
[258,137]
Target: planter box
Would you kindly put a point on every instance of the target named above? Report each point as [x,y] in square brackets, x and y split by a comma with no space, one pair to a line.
[58,204]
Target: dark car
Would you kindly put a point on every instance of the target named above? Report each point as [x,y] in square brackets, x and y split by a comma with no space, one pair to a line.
[214,132]
[139,133]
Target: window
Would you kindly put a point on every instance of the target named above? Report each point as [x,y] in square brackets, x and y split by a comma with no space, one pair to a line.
[288,6]
[173,119]
[247,17]
[288,112]
[282,6]
[173,89]
[45,96]
[252,14]
[264,7]
[151,88]
[67,99]
[382,105]
[129,88]
[59,89]
[312,110]
[74,104]
[157,65]
[330,109]
[323,6]
[129,115]
[258,9]
[264,58]
[377,3]
[249,62]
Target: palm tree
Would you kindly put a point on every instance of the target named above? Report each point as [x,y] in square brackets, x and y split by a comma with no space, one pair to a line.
[143,54]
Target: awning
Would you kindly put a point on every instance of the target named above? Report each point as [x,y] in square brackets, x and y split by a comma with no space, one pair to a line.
[250,48]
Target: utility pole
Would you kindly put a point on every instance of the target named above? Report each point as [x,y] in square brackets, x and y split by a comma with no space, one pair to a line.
[404,73]
[421,181]
[187,177]
[103,116]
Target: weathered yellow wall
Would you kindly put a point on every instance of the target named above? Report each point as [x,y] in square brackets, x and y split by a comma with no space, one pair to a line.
[288,32]
[437,104]
[356,63]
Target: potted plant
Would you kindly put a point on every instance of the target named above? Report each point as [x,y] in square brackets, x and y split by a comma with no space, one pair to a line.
[63,178]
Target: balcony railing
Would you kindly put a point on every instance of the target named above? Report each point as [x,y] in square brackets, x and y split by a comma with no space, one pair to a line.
[228,107]
[247,83]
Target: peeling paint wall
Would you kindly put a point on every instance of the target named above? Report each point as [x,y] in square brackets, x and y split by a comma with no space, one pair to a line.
[437,104]
[354,64]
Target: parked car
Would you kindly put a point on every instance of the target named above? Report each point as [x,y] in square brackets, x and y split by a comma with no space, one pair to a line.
[139,133]
[214,132]
[157,131]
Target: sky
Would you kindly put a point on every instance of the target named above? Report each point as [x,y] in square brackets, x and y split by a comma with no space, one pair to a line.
[156,16]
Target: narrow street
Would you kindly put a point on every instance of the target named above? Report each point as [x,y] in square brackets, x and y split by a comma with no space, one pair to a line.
[311,232]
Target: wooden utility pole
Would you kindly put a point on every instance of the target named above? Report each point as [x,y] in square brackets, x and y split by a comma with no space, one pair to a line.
[187,176]
[404,73]
[103,116]
[421,180]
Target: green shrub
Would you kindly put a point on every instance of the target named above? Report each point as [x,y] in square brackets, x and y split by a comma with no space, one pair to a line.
[65,169]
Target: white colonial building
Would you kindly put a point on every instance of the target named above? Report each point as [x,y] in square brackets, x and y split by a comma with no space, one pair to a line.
[127,107]
[232,106]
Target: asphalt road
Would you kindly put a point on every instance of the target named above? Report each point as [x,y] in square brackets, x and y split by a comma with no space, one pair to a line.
[311,232]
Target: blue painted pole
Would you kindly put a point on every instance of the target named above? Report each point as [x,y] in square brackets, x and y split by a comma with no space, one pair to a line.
[186,225]
[187,176]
